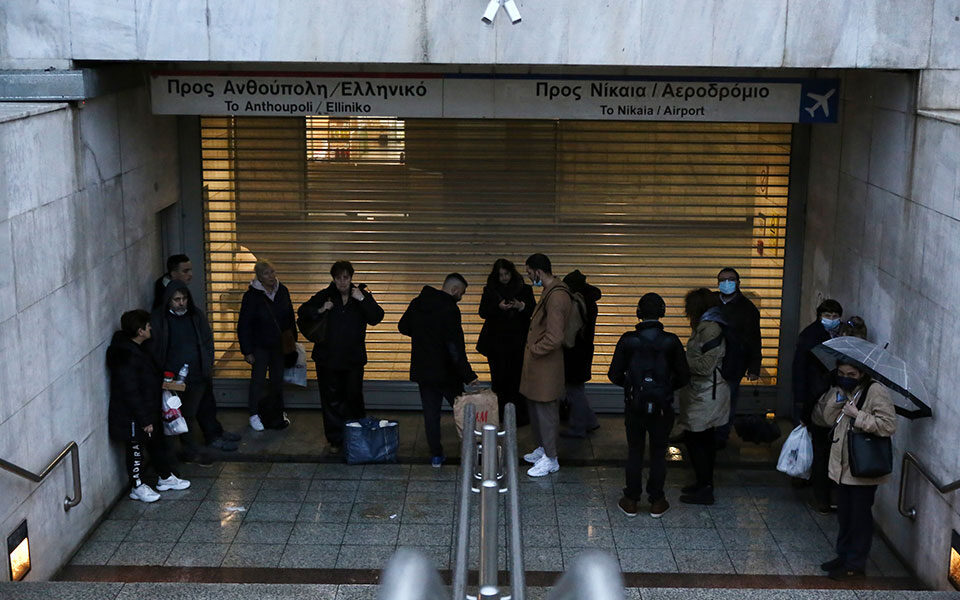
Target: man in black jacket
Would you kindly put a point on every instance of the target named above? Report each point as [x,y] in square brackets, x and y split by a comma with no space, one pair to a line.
[578,361]
[341,353]
[650,365]
[179,268]
[438,356]
[811,379]
[182,336]
[265,326]
[744,347]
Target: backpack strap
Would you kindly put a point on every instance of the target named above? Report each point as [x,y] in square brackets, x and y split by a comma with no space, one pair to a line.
[714,343]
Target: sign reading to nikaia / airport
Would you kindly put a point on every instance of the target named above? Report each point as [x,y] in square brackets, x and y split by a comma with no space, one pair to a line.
[497,96]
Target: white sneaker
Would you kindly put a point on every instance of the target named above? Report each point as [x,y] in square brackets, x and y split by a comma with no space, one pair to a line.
[144,493]
[172,483]
[255,423]
[544,466]
[286,419]
[534,456]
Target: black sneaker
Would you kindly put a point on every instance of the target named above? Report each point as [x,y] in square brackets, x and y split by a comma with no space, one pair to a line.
[196,459]
[832,565]
[230,436]
[221,443]
[690,489]
[702,496]
[628,506]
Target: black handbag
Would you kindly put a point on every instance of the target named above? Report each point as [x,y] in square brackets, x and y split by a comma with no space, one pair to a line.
[870,455]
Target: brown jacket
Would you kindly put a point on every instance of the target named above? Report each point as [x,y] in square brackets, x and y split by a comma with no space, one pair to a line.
[876,416]
[542,378]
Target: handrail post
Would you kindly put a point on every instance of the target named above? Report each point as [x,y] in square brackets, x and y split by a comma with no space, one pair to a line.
[489,499]
[468,457]
[517,576]
[910,459]
[69,502]
[74,451]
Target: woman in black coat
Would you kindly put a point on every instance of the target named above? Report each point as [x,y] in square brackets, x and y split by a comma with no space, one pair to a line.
[505,307]
[134,413]
[578,361]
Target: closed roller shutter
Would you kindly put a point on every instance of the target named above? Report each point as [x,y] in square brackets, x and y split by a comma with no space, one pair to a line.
[637,207]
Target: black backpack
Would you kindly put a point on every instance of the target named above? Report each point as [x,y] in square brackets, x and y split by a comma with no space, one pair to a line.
[649,380]
[731,368]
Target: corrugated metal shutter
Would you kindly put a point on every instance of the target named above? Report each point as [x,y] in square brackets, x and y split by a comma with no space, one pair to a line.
[636,206]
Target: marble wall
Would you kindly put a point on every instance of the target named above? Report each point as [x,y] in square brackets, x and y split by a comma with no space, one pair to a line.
[905,34]
[79,244]
[883,237]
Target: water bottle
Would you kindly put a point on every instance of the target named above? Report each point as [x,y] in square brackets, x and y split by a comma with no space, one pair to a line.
[182,376]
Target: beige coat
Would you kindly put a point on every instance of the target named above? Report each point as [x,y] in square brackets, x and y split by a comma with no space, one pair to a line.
[542,377]
[876,416]
[705,401]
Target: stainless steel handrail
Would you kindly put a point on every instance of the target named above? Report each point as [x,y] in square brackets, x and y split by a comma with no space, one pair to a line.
[514,534]
[410,576]
[910,459]
[489,504]
[468,460]
[594,575]
[74,451]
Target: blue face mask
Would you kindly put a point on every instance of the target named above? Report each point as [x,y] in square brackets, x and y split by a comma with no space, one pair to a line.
[830,324]
[847,384]
[537,283]
[727,287]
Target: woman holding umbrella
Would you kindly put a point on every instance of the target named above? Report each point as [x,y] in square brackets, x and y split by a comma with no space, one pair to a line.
[855,402]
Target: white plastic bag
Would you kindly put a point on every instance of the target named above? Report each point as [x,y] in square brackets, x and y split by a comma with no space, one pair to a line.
[297,374]
[796,456]
[173,421]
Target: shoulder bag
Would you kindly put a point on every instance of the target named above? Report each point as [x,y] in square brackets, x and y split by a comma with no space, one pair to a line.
[870,455]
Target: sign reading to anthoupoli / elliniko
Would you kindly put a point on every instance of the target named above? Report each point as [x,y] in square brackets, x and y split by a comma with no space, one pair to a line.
[497,97]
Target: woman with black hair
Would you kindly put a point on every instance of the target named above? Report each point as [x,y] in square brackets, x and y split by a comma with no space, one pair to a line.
[854,402]
[505,307]
[704,402]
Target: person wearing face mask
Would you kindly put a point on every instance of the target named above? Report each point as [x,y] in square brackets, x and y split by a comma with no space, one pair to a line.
[438,353]
[744,345]
[505,307]
[182,336]
[342,352]
[855,401]
[810,380]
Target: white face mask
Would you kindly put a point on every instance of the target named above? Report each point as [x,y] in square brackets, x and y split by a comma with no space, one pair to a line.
[179,313]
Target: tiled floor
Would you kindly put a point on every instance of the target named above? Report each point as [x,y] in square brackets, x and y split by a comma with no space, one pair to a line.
[321,515]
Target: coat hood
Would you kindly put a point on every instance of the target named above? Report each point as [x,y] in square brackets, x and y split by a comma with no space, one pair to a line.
[173,287]
[714,314]
[120,350]
[431,298]
[577,282]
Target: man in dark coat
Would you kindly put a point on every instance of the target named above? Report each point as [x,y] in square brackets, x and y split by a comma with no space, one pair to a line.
[438,356]
[341,354]
[266,328]
[578,361]
[182,336]
[179,268]
[134,412]
[629,369]
[744,345]
[811,379]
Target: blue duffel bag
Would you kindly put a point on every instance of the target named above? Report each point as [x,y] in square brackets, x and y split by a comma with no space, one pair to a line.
[371,440]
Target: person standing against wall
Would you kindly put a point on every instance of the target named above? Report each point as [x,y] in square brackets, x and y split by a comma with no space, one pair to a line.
[744,343]
[578,361]
[268,335]
[342,311]
[505,307]
[438,353]
[542,380]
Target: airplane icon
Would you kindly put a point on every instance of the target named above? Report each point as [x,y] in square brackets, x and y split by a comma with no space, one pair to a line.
[821,103]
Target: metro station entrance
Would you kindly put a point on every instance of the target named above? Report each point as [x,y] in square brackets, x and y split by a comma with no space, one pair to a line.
[636,206]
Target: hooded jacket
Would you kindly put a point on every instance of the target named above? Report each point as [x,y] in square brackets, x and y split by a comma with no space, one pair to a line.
[262,320]
[504,329]
[811,378]
[705,401]
[344,345]
[159,343]
[438,352]
[135,382]
[578,361]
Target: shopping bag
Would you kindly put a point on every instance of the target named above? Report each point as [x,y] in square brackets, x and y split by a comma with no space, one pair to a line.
[297,374]
[173,421]
[369,440]
[796,456]
[487,409]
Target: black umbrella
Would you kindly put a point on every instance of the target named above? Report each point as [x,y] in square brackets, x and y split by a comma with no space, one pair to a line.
[883,366]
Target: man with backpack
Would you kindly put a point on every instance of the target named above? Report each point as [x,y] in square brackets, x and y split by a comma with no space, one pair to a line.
[542,378]
[578,359]
[650,365]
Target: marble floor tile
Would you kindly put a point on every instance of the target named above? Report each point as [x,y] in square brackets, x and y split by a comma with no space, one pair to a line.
[245,469]
[317,533]
[141,553]
[684,515]
[542,558]
[156,531]
[292,470]
[366,556]
[162,510]
[386,511]
[759,562]
[647,561]
[747,539]
[586,536]
[262,510]
[427,513]
[325,512]
[640,537]
[540,535]
[309,556]
[337,471]
[112,530]
[94,553]
[800,539]
[358,592]
[191,554]
[703,561]
[127,509]
[693,538]
[243,554]
[221,510]
[202,531]
[807,562]
[439,556]
[371,533]
[423,534]
[265,532]
[386,472]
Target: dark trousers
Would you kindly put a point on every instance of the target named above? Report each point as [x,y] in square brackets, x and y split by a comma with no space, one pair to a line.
[341,398]
[431,398]
[855,515]
[207,414]
[702,452]
[723,432]
[190,399]
[638,427]
[266,360]
[506,368]
[156,446]
[819,477]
